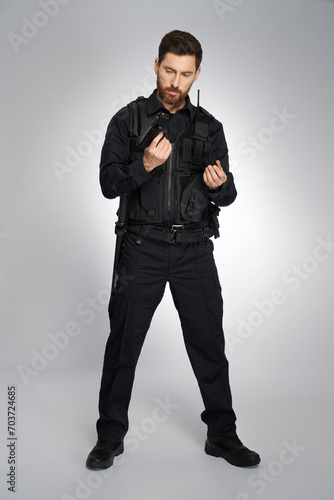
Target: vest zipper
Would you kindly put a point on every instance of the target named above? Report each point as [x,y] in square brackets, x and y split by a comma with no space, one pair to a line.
[169,183]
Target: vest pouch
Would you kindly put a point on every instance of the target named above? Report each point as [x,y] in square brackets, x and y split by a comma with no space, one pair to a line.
[132,204]
[193,205]
[194,156]
[150,197]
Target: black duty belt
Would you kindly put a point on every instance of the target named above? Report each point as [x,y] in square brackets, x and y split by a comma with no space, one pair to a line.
[173,234]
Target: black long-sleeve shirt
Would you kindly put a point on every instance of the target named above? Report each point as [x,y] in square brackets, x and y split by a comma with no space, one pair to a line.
[119,175]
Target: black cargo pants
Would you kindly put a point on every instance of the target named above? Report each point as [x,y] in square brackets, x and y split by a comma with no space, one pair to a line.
[145,267]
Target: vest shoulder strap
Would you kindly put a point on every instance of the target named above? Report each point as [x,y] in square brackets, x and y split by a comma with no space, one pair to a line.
[205,112]
[135,107]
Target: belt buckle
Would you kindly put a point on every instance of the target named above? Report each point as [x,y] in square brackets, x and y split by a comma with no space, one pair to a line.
[175,228]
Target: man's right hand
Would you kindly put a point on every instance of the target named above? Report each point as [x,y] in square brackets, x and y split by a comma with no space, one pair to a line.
[157,152]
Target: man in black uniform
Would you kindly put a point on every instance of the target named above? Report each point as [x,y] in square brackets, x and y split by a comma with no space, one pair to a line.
[174,188]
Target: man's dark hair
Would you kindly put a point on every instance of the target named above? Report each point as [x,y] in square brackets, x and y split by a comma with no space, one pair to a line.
[180,43]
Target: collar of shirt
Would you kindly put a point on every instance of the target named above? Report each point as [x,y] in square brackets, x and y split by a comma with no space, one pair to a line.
[154,105]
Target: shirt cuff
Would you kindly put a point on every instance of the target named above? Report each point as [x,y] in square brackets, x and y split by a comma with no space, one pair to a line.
[216,193]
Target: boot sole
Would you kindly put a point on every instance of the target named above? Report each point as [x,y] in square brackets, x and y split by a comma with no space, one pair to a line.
[218,453]
[118,452]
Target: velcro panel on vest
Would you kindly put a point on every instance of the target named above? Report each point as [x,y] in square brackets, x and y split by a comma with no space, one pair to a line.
[198,152]
[187,147]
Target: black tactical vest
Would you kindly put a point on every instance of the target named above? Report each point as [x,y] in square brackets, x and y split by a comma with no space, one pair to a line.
[176,192]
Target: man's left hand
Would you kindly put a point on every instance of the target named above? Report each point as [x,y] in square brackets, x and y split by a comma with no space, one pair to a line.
[214,176]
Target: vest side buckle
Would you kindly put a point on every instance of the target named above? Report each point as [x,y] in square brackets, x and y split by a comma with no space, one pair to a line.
[206,233]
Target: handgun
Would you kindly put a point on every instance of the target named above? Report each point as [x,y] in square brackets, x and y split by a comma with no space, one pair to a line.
[154,129]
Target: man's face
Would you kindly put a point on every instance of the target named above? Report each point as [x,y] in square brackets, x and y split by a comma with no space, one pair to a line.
[175,76]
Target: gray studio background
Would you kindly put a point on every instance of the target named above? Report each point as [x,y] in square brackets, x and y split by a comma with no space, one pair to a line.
[267,74]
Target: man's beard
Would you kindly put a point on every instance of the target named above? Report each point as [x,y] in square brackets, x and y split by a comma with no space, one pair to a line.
[167,98]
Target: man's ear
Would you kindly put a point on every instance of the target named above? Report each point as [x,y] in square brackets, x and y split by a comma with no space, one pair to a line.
[197,73]
[156,65]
